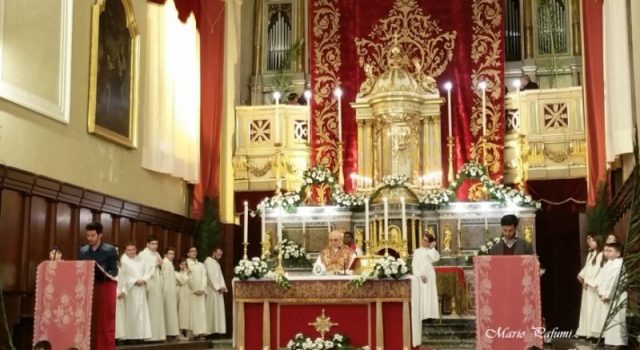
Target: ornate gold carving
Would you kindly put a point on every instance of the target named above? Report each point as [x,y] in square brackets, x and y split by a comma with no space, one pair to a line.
[323,324]
[260,130]
[324,290]
[477,192]
[486,53]
[417,34]
[328,60]
[528,233]
[447,238]
[557,157]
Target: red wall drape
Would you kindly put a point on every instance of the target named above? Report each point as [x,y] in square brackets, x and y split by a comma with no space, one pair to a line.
[592,32]
[210,21]
[477,55]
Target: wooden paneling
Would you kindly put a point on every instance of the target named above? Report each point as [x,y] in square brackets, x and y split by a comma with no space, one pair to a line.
[38,213]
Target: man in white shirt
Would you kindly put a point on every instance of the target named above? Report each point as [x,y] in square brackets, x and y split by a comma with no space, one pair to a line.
[133,276]
[215,289]
[198,285]
[154,289]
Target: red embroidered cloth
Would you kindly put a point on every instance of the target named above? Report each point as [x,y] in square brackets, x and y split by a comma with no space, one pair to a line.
[508,314]
[64,292]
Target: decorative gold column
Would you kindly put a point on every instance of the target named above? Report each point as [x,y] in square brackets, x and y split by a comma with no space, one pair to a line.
[576,35]
[413,233]
[376,151]
[425,141]
[257,37]
[361,149]
[527,15]
[368,151]
[300,34]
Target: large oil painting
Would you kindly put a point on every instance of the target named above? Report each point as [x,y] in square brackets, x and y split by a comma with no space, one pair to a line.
[113,86]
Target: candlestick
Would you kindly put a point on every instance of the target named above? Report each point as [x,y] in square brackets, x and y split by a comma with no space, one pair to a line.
[386,220]
[307,96]
[329,226]
[486,224]
[246,222]
[450,170]
[448,86]
[338,93]
[366,220]
[279,228]
[276,97]
[483,87]
[459,225]
[404,219]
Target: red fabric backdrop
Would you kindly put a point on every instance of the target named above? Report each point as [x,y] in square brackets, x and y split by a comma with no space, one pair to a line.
[594,94]
[458,41]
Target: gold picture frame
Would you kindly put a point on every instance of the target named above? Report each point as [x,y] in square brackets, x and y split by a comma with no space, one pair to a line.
[113,80]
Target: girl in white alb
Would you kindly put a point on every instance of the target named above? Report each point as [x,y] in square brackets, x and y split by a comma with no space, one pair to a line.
[587,277]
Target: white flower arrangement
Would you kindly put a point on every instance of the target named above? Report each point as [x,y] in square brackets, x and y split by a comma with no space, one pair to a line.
[256,268]
[395,180]
[318,175]
[485,248]
[288,201]
[387,267]
[281,280]
[435,198]
[338,341]
[347,200]
[293,255]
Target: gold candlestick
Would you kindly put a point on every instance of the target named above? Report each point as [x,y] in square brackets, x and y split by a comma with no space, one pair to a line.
[405,251]
[280,269]
[450,147]
[484,151]
[277,166]
[244,251]
[340,161]
[386,248]
[459,242]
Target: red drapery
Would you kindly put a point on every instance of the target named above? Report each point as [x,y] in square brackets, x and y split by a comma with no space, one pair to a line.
[594,94]
[210,21]
[458,41]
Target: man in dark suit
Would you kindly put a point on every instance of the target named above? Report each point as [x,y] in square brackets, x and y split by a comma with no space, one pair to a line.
[510,244]
[527,84]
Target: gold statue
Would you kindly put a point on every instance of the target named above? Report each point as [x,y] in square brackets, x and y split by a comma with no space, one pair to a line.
[266,245]
[394,235]
[447,238]
[528,233]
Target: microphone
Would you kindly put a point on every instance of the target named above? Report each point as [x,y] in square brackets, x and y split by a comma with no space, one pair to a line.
[55,252]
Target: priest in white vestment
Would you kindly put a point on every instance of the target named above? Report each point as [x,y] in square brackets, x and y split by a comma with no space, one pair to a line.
[422,266]
[198,284]
[215,297]
[120,306]
[184,297]
[154,289]
[135,273]
[616,332]
[587,277]
[170,293]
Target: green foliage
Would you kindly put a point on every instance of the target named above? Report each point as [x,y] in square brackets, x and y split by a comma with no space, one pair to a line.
[282,80]
[208,228]
[599,217]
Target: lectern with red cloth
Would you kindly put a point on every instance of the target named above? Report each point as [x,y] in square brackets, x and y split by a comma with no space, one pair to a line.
[64,294]
[507,291]
[379,314]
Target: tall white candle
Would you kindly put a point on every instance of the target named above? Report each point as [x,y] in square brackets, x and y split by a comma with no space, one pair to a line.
[246,222]
[366,220]
[386,219]
[276,97]
[483,87]
[486,224]
[448,86]
[307,96]
[404,219]
[262,225]
[338,94]
[459,225]
[329,225]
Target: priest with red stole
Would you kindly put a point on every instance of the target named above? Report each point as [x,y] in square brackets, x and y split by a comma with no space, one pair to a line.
[103,327]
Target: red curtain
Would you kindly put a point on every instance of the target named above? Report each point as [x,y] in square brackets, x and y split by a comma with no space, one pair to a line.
[477,55]
[210,21]
[594,94]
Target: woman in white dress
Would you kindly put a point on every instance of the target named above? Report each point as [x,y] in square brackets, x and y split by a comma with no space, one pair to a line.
[422,266]
[184,297]
[587,277]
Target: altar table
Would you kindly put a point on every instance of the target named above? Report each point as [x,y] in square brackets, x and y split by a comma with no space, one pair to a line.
[382,313]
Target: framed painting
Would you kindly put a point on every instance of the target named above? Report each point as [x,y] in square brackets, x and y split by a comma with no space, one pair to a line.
[113,85]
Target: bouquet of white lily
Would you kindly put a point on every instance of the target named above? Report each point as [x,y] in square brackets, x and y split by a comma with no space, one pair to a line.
[338,341]
[256,268]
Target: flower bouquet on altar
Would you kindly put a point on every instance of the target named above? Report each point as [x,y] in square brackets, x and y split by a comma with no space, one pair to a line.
[254,268]
[338,341]
[293,255]
[387,267]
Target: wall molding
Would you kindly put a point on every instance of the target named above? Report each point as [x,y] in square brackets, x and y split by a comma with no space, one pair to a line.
[59,109]
[42,186]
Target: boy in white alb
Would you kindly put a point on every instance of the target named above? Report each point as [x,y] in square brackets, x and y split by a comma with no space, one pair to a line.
[587,277]
[616,331]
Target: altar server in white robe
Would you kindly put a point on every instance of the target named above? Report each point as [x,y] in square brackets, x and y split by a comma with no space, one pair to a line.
[184,297]
[422,266]
[215,297]
[616,332]
[154,289]
[135,273]
[120,305]
[170,293]
[587,277]
[198,285]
